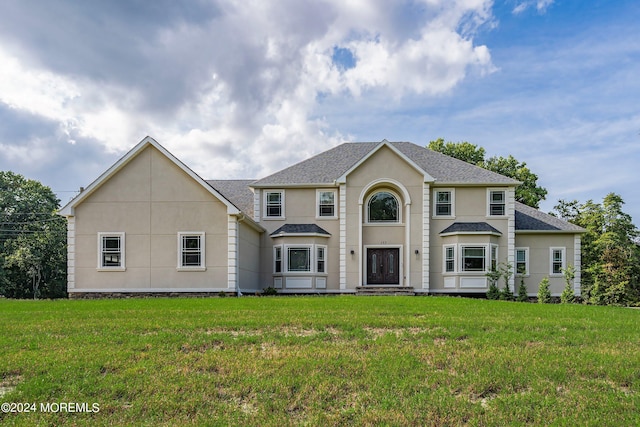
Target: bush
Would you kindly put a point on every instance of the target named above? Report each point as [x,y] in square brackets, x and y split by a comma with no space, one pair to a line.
[270,291]
[493,292]
[567,296]
[506,294]
[544,294]
[522,292]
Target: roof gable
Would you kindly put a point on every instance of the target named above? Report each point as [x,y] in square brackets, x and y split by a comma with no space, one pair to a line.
[333,165]
[343,178]
[68,209]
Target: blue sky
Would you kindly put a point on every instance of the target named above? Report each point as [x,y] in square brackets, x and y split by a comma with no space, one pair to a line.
[241,89]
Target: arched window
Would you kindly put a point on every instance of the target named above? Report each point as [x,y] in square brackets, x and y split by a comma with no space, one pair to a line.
[383,207]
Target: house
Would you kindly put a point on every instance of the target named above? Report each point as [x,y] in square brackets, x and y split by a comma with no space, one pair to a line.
[355,218]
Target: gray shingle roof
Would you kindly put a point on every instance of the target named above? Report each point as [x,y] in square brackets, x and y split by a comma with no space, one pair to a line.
[237,191]
[531,219]
[328,166]
[470,227]
[300,229]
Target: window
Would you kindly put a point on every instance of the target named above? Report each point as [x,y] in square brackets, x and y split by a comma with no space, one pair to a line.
[497,203]
[326,203]
[111,251]
[473,258]
[449,259]
[557,260]
[191,251]
[494,257]
[277,259]
[522,261]
[321,266]
[298,259]
[443,203]
[383,207]
[274,204]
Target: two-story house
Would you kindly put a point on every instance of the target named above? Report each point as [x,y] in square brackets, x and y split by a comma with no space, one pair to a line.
[355,218]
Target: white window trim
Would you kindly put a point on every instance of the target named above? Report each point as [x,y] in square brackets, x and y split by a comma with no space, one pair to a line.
[313,259]
[335,204]
[383,223]
[493,190]
[119,234]
[324,248]
[265,198]
[444,259]
[497,257]
[487,258]
[285,259]
[435,202]
[275,248]
[563,250]
[526,262]
[203,258]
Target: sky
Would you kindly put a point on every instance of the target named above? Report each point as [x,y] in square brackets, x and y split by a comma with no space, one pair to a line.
[241,89]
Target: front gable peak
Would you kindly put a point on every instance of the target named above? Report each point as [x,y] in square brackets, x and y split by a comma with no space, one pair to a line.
[384,143]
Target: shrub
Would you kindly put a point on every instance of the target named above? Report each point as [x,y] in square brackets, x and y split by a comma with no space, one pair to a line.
[544,294]
[270,291]
[522,292]
[506,294]
[567,296]
[493,292]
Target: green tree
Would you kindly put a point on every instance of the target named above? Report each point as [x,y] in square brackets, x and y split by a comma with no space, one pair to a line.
[32,240]
[610,253]
[529,192]
[465,151]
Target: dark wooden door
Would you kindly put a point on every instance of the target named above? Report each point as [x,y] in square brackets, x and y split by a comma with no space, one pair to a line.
[383,266]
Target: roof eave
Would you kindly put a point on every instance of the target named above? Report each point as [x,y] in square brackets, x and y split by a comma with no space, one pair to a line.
[482,233]
[302,185]
[550,231]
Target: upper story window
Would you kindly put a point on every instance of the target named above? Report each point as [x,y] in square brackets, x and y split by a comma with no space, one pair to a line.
[557,261]
[497,203]
[191,250]
[443,205]
[326,204]
[111,251]
[274,204]
[383,207]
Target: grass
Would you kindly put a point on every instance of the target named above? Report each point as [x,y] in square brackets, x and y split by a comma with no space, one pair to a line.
[321,361]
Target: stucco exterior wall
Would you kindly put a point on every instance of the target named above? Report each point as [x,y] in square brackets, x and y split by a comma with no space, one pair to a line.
[150,199]
[300,208]
[248,258]
[384,170]
[470,205]
[539,246]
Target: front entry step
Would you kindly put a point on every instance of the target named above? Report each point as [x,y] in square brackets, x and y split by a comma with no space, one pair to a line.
[385,290]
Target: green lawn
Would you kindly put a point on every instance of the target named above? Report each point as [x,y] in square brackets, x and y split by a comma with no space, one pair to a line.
[320,361]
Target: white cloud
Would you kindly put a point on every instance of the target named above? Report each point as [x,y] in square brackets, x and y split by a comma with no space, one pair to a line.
[236,94]
[541,6]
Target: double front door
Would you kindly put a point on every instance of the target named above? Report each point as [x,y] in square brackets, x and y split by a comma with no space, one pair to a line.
[383,266]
